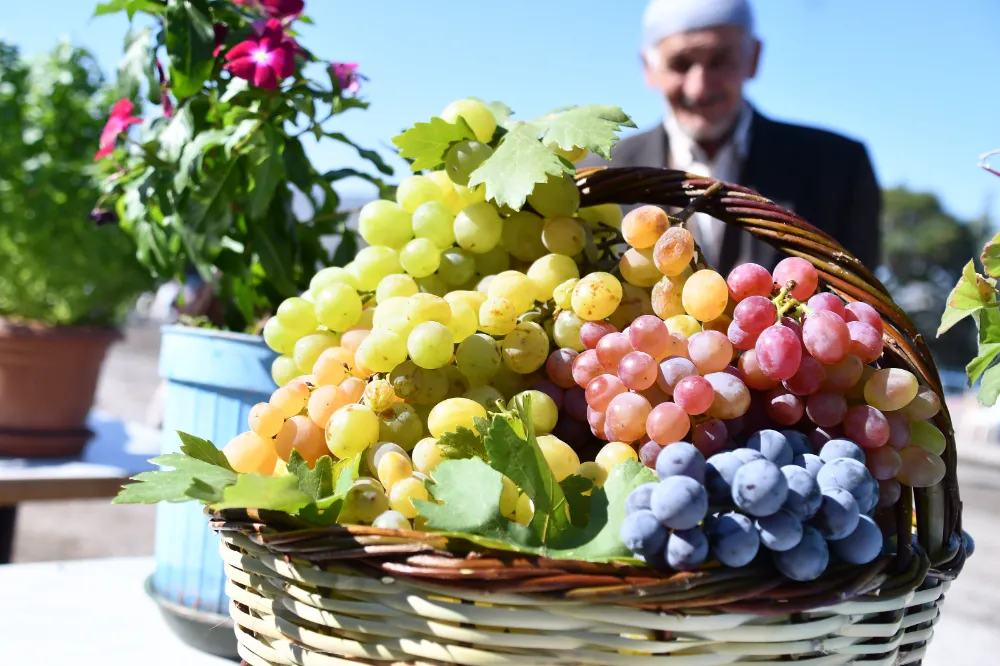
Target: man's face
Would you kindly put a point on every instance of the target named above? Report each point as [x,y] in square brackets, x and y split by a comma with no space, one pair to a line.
[701,73]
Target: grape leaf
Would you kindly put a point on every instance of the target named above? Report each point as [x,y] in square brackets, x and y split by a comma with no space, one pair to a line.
[204,450]
[989,390]
[991,257]
[256,491]
[426,143]
[174,485]
[594,127]
[346,472]
[514,452]
[316,482]
[469,494]
[987,354]
[462,443]
[601,540]
[972,293]
[516,166]
[574,487]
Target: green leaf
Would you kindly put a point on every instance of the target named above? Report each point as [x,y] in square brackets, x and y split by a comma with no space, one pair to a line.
[316,482]
[130,6]
[574,487]
[178,134]
[155,487]
[462,443]
[135,64]
[426,143]
[346,249]
[469,495]
[194,153]
[514,452]
[205,493]
[208,472]
[971,294]
[267,169]
[518,164]
[204,450]
[987,354]
[297,167]
[256,491]
[273,251]
[191,478]
[990,388]
[601,541]
[345,472]
[991,257]
[190,40]
[594,127]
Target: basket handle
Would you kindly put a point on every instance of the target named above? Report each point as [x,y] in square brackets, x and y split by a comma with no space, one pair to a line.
[938,508]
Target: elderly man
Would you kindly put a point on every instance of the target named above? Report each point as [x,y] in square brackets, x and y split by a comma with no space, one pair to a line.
[699,54]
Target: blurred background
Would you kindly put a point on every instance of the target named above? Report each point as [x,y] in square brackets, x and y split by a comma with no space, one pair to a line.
[915,80]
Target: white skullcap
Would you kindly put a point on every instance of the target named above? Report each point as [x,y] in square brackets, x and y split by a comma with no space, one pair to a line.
[668,17]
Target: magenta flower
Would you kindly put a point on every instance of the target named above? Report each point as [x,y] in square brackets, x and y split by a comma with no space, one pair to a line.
[274,9]
[347,76]
[266,59]
[221,32]
[119,120]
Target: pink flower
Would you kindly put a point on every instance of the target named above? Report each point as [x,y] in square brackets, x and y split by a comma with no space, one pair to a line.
[119,120]
[266,59]
[348,78]
[274,9]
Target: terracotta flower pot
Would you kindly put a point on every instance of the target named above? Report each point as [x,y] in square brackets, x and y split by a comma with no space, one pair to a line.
[48,376]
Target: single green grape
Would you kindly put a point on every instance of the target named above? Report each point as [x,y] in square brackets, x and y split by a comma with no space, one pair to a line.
[563,235]
[297,316]
[526,348]
[463,158]
[284,370]
[415,191]
[385,223]
[400,424]
[390,315]
[449,414]
[395,285]
[457,267]
[516,287]
[381,351]
[430,345]
[566,331]
[549,272]
[493,262]
[309,347]
[435,222]
[371,264]
[562,295]
[464,321]
[338,307]
[420,257]
[478,357]
[364,502]
[419,385]
[597,295]
[351,430]
[485,395]
[427,455]
[432,285]
[522,236]
[427,307]
[329,275]
[560,456]
[558,196]
[478,228]
[279,338]
[478,116]
[497,316]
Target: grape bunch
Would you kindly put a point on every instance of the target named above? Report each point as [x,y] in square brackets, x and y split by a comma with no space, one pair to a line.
[626,345]
[773,495]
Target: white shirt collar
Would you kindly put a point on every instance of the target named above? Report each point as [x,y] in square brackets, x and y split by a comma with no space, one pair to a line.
[684,151]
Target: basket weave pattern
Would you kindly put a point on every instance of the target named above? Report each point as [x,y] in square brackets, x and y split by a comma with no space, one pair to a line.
[353,594]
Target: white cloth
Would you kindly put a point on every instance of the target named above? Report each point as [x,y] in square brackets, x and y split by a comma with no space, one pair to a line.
[687,155]
[663,18]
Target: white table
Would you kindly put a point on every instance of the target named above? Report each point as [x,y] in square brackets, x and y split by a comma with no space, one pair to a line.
[118,451]
[87,612]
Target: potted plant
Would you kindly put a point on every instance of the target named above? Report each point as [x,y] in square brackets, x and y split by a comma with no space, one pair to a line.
[206,187]
[65,284]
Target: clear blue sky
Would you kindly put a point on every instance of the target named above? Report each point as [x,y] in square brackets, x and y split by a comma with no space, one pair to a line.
[917,80]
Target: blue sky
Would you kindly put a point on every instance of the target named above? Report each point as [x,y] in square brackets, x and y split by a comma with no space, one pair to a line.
[917,80]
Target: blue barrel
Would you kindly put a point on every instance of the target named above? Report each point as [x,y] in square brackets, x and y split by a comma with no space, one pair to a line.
[213,379]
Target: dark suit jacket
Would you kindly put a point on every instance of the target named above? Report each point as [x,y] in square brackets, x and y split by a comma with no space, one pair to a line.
[823,177]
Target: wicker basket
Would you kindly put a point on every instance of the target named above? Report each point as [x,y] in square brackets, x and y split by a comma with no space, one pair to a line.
[355,594]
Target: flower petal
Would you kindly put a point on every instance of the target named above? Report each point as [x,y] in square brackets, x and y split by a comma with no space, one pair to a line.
[242,50]
[264,78]
[283,63]
[244,68]
[122,107]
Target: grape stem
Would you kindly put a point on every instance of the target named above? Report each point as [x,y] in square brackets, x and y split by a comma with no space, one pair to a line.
[784,301]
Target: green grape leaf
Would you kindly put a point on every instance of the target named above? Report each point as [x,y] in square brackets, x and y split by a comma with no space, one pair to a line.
[256,491]
[518,164]
[987,354]
[600,540]
[468,492]
[972,293]
[426,143]
[129,6]
[991,257]
[594,127]
[204,450]
[989,390]
[462,443]
[190,474]
[514,452]
[316,482]
[574,487]
[345,472]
